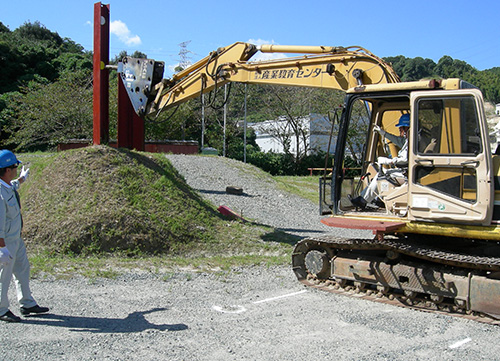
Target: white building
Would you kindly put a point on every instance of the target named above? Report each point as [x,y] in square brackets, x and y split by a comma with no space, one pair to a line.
[497,110]
[316,127]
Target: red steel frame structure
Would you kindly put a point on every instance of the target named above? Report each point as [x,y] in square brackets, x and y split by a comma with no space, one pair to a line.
[101,74]
[130,127]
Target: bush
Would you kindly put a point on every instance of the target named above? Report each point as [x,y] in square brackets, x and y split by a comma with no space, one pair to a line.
[285,164]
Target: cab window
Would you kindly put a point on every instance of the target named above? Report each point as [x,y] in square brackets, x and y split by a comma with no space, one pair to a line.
[447,126]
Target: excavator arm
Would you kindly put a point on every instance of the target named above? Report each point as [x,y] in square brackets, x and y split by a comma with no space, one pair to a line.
[318,66]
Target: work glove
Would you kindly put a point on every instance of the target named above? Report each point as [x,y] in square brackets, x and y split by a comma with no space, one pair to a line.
[5,257]
[379,130]
[24,173]
[385,161]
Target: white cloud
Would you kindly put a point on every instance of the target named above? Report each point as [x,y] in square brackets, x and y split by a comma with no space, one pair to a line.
[260,41]
[120,29]
[265,56]
[268,56]
[171,68]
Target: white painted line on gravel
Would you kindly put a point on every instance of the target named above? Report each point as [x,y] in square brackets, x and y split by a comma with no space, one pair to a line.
[460,343]
[232,309]
[280,297]
[241,309]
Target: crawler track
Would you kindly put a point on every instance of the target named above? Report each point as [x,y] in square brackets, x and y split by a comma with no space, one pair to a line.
[420,251]
[404,273]
[333,287]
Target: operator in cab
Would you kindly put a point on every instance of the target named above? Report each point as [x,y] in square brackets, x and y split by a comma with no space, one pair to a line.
[370,193]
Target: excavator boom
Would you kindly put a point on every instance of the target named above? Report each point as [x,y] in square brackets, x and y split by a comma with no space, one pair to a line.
[319,66]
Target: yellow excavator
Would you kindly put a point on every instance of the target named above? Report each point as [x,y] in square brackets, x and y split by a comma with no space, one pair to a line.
[434,214]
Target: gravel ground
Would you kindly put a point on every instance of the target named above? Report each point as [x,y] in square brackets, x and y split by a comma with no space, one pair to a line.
[253,313]
[261,200]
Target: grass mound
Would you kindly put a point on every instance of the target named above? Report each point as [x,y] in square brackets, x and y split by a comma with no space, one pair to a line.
[99,199]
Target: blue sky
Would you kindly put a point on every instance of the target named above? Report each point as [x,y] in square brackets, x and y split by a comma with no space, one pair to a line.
[464,30]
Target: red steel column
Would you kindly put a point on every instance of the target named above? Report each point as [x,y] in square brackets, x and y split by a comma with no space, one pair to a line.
[130,127]
[123,126]
[138,132]
[101,74]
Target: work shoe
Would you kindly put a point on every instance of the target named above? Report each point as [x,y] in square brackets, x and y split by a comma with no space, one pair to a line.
[10,317]
[359,202]
[379,203]
[34,309]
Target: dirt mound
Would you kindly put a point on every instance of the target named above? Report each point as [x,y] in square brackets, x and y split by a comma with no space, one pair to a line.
[102,199]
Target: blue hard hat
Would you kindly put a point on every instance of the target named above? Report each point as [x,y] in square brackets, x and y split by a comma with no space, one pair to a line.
[7,158]
[404,121]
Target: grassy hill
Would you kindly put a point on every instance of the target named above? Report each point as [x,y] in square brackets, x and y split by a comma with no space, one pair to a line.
[99,200]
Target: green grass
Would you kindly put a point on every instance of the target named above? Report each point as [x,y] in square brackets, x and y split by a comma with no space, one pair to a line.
[99,212]
[304,186]
[110,266]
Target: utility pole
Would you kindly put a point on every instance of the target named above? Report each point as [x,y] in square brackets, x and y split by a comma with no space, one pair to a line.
[245,128]
[202,121]
[225,118]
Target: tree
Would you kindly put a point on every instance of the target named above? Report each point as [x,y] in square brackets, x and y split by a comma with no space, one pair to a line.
[3,28]
[33,52]
[122,54]
[489,82]
[72,62]
[447,67]
[290,104]
[43,115]
[38,32]
[410,69]
[293,104]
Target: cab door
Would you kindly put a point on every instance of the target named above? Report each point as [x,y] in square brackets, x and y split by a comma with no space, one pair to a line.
[449,171]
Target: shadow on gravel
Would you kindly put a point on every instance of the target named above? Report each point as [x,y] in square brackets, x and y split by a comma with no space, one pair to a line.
[209,191]
[134,322]
[281,237]
[301,230]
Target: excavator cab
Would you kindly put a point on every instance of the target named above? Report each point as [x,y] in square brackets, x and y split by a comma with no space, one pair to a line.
[448,175]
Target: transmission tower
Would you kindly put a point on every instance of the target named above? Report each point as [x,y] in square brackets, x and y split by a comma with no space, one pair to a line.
[185,59]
